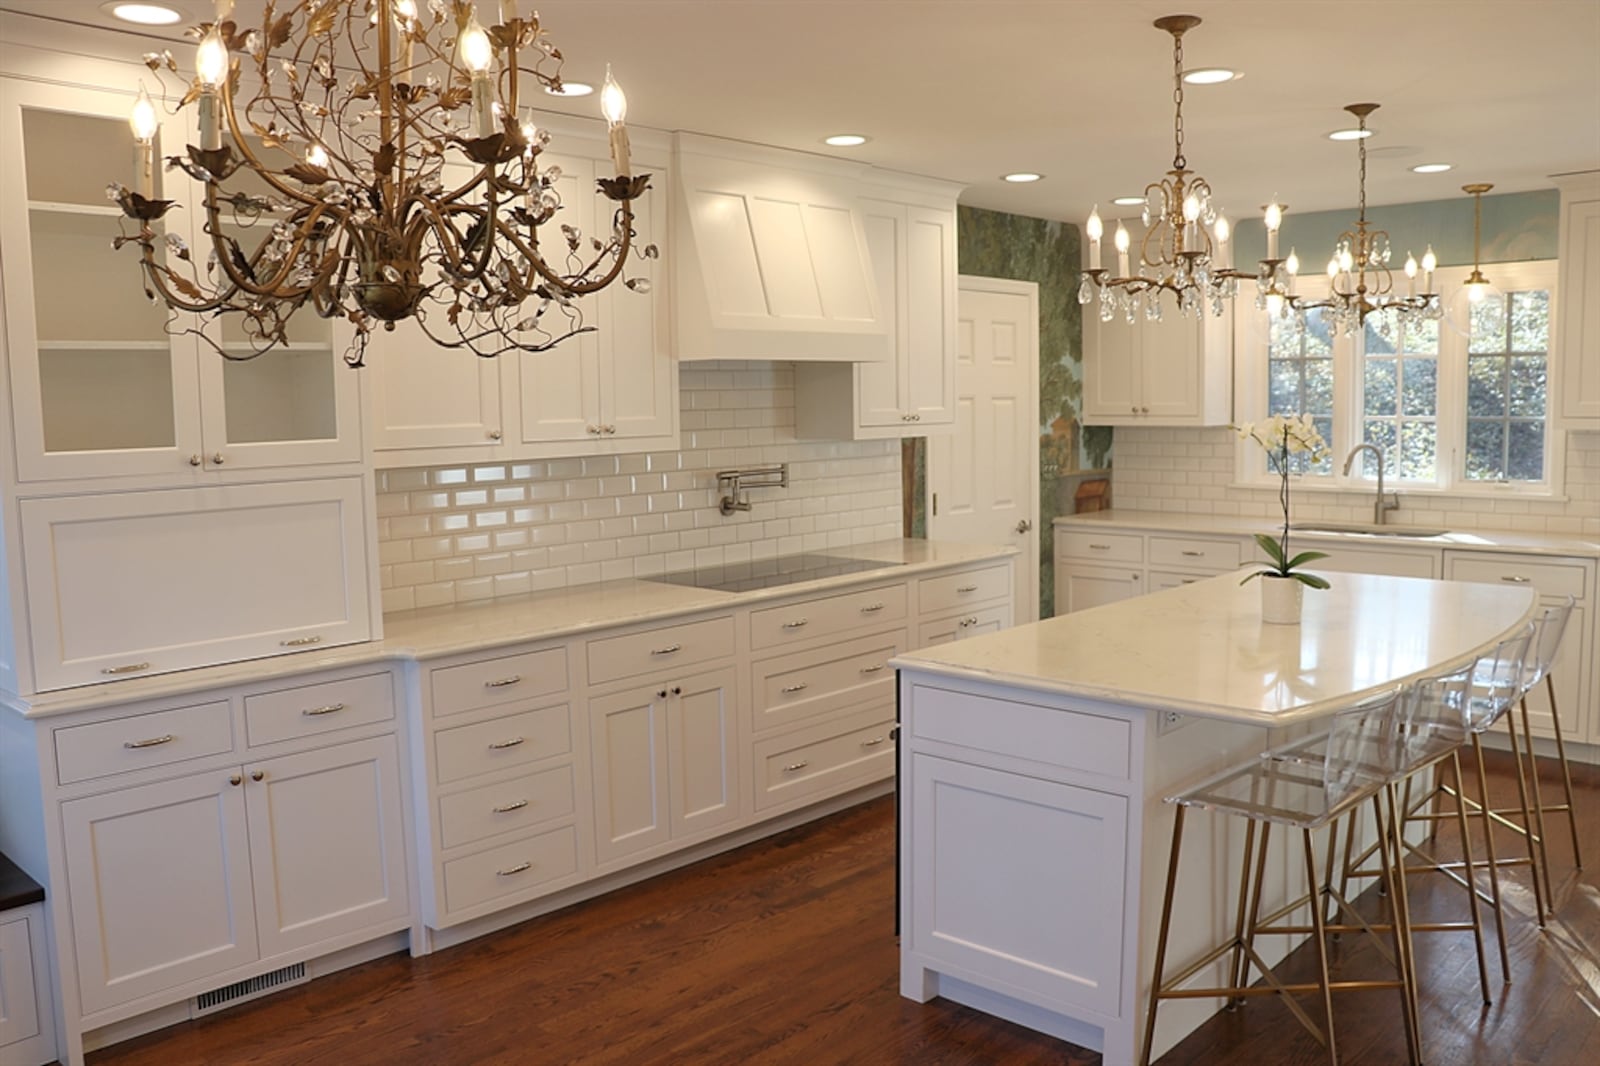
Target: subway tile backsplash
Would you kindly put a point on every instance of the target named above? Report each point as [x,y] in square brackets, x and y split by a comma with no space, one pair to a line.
[1191,470]
[455,534]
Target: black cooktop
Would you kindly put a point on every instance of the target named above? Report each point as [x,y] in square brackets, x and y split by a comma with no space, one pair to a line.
[767,573]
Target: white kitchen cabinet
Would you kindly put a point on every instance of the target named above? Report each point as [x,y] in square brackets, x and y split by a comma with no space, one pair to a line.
[1080,587]
[121,391]
[27,1023]
[913,249]
[1577,354]
[664,763]
[1175,372]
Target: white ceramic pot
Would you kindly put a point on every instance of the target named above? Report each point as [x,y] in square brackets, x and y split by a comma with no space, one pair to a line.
[1280,599]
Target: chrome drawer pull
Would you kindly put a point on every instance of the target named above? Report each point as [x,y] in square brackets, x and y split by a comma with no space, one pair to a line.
[165,738]
[299,642]
[503,682]
[795,624]
[1515,579]
[517,869]
[801,687]
[874,742]
[967,588]
[507,808]
[801,765]
[668,650]
[1195,555]
[500,744]
[869,608]
[1101,547]
[131,668]
[312,712]
[871,669]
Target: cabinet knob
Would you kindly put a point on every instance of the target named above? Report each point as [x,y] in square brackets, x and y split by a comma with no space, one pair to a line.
[258,775]
[495,434]
[216,458]
[1134,409]
[608,430]
[677,690]
[593,430]
[195,460]
[235,779]
[916,418]
[1144,410]
[661,693]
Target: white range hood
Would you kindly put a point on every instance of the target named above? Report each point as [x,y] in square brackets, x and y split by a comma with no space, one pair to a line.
[771,259]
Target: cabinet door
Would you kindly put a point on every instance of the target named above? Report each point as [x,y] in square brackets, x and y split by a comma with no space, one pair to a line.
[327,846]
[423,396]
[1110,369]
[1579,312]
[1169,366]
[962,626]
[158,880]
[629,748]
[702,769]
[881,397]
[928,365]
[638,377]
[102,393]
[1080,587]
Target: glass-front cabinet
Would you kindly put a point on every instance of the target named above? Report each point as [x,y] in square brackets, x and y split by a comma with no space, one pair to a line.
[104,380]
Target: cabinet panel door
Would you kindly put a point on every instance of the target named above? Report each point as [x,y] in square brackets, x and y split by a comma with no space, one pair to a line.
[928,356]
[702,768]
[629,748]
[638,377]
[1579,314]
[1110,369]
[425,396]
[159,884]
[1080,587]
[327,846]
[881,399]
[284,408]
[1169,365]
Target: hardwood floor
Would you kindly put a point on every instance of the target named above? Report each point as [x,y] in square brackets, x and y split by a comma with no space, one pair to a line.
[781,952]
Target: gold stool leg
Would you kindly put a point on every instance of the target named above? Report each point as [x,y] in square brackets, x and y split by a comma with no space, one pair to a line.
[1538,805]
[1527,816]
[1467,871]
[1566,771]
[1393,877]
[1161,938]
[1240,965]
[1492,863]
[1320,936]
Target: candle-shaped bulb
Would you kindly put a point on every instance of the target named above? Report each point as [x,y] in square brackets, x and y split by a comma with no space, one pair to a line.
[405,11]
[317,156]
[477,51]
[1122,238]
[1411,266]
[142,120]
[1274,304]
[1094,227]
[613,102]
[1333,268]
[1191,207]
[508,12]
[1274,218]
[1292,264]
[1346,260]
[1220,229]
[211,60]
[1430,262]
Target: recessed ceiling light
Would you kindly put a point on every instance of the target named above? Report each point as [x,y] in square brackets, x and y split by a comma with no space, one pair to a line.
[1431,168]
[845,140]
[1128,201]
[1022,177]
[144,14]
[1211,75]
[571,88]
[1350,134]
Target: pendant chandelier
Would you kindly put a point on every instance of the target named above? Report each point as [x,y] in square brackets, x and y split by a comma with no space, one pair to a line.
[1184,249]
[1360,282]
[375,97]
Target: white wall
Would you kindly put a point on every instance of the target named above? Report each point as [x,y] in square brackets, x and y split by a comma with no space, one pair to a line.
[456,534]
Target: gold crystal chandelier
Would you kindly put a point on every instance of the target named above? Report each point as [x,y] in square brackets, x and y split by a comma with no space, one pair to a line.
[375,97]
[1184,250]
[1360,282]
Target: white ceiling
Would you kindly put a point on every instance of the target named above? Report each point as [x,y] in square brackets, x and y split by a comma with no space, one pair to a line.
[1080,90]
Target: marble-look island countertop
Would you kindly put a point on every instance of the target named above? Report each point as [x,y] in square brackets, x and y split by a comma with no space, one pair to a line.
[1202,649]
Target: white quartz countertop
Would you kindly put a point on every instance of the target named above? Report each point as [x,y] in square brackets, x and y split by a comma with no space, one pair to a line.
[1470,539]
[1202,649]
[557,613]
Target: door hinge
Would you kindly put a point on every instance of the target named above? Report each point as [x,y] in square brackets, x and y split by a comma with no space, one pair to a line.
[936,504]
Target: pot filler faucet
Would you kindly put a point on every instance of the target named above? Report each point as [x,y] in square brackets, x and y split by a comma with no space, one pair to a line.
[1380,505]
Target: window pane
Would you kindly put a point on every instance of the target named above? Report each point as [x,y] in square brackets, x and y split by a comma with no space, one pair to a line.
[1284,395]
[1319,386]
[1422,338]
[1419,446]
[1526,447]
[1382,337]
[1488,330]
[1486,386]
[1382,387]
[1419,394]
[1382,434]
[1324,424]
[1485,450]
[1530,321]
[1318,334]
[1528,385]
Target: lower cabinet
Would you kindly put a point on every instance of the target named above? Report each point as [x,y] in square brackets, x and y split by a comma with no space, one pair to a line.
[27,1024]
[176,880]
[664,762]
[1080,587]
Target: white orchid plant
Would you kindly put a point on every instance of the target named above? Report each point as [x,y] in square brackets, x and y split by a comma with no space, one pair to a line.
[1282,436]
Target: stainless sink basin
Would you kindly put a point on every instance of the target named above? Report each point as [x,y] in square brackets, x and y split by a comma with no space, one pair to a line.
[1367,531]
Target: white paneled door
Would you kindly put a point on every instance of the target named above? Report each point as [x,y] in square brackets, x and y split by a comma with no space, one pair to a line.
[983,481]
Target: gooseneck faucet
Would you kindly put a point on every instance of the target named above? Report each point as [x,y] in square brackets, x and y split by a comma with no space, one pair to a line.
[1380,505]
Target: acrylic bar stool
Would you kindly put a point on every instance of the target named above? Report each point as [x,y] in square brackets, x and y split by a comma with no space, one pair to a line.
[1552,626]
[1308,788]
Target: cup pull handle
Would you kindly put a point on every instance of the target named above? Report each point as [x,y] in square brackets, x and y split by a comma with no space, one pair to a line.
[502,682]
[502,744]
[872,669]
[801,687]
[517,869]
[165,738]
[668,650]
[313,712]
[801,765]
[871,607]
[507,808]
[874,742]
[796,624]
[967,588]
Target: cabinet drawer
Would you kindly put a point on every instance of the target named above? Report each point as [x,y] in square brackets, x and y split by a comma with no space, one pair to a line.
[1218,555]
[820,616]
[1100,547]
[1161,580]
[311,709]
[791,687]
[951,592]
[960,626]
[143,740]
[1551,577]
[499,744]
[510,869]
[1075,740]
[494,681]
[490,810]
[666,648]
[827,758]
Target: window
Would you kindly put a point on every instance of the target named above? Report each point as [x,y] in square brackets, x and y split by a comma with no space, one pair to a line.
[1448,411]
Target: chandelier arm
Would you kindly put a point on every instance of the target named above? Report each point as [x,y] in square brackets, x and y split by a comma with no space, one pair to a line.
[157,273]
[619,245]
[240,281]
[250,158]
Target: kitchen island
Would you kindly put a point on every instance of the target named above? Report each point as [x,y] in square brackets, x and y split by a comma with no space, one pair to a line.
[1035,763]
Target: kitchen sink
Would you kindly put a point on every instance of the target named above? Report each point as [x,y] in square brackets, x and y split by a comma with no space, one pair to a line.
[1368,531]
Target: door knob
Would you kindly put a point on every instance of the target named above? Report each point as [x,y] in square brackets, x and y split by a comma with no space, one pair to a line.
[1024,525]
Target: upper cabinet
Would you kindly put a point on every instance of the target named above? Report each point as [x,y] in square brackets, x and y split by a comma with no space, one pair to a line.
[1578,353]
[102,382]
[1173,372]
[911,235]
[771,258]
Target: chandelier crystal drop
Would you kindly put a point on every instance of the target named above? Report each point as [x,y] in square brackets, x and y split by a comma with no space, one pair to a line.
[371,160]
[1185,249]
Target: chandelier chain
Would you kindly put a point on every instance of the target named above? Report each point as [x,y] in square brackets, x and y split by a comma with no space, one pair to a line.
[1178,161]
[1362,146]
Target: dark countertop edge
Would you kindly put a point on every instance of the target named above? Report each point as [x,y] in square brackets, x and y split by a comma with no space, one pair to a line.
[17,889]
